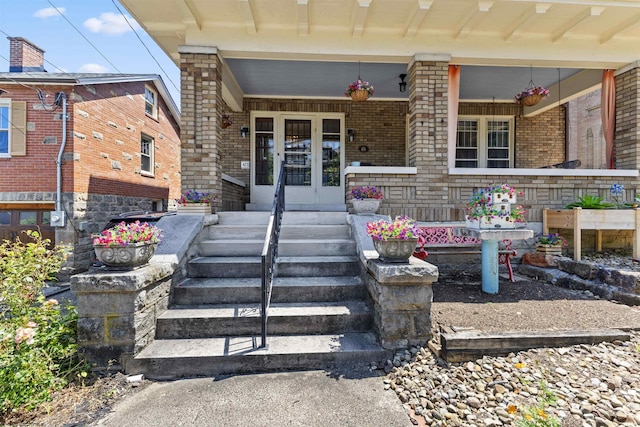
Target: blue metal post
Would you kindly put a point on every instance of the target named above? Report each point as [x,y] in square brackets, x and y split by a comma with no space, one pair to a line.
[490,266]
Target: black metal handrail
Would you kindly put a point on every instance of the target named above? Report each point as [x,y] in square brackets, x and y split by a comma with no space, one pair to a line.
[270,252]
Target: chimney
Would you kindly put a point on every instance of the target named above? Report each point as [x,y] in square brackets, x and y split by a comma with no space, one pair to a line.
[24,56]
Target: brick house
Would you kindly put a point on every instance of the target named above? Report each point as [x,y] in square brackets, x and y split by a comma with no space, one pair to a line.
[280,70]
[120,150]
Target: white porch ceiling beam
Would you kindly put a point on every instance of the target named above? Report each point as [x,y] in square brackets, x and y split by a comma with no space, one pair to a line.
[190,13]
[634,20]
[592,11]
[302,12]
[361,17]
[247,16]
[483,8]
[526,18]
[570,88]
[231,91]
[418,17]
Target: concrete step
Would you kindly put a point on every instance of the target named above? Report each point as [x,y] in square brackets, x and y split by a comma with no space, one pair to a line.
[225,231]
[306,266]
[286,247]
[288,218]
[170,359]
[225,267]
[244,218]
[303,266]
[285,289]
[312,232]
[314,218]
[245,319]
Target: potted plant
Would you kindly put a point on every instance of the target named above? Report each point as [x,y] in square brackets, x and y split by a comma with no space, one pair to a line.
[359,90]
[531,95]
[193,202]
[127,245]
[550,244]
[395,240]
[493,207]
[366,199]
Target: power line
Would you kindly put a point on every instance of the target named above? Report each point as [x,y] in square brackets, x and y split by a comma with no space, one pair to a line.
[145,46]
[84,37]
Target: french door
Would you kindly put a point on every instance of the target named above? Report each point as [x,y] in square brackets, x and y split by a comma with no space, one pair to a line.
[311,146]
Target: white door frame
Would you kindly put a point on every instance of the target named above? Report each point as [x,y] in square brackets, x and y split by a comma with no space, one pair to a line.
[311,197]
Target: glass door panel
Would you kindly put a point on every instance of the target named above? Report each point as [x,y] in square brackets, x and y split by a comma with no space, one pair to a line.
[297,153]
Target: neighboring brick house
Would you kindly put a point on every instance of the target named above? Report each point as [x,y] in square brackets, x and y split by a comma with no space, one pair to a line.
[120,151]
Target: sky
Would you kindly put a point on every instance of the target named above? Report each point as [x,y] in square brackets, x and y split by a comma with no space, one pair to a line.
[91,36]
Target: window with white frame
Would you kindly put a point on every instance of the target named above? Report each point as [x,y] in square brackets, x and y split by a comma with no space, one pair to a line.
[5,126]
[146,154]
[484,142]
[150,102]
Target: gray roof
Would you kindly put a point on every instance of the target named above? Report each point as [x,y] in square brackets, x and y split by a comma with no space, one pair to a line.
[92,79]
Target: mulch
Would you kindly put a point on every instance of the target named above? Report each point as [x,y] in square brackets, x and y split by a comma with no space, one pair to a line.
[526,305]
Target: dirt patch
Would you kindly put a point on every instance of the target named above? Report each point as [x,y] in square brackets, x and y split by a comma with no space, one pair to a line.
[78,404]
[526,305]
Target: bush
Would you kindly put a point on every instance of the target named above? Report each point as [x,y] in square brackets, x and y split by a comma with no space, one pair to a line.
[38,352]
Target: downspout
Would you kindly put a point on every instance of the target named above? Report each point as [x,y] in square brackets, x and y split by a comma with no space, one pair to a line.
[63,96]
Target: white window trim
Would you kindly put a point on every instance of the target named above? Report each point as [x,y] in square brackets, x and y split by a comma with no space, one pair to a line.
[154,113]
[151,155]
[5,102]
[482,137]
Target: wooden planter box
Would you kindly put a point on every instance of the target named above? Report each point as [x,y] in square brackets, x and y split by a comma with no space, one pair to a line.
[549,249]
[194,209]
[578,219]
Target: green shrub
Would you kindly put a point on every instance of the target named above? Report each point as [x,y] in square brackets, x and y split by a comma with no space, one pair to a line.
[38,352]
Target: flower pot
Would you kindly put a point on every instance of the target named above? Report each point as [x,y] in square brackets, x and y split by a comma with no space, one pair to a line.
[549,249]
[359,95]
[125,257]
[395,250]
[365,206]
[194,209]
[531,100]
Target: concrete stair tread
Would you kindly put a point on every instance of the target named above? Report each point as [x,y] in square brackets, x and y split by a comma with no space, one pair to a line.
[275,310]
[316,259]
[239,282]
[281,241]
[227,259]
[246,346]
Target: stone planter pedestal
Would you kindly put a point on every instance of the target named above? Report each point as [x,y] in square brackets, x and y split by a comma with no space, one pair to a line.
[365,206]
[402,297]
[395,250]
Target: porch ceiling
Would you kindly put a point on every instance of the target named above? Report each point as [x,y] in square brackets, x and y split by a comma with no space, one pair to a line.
[312,47]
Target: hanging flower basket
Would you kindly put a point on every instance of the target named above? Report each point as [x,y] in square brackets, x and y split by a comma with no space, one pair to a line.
[531,96]
[359,95]
[359,90]
[531,100]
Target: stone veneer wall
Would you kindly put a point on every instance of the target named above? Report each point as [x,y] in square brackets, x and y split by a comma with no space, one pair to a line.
[202,109]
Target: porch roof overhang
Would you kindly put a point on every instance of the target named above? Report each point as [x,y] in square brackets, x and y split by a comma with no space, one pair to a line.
[311,48]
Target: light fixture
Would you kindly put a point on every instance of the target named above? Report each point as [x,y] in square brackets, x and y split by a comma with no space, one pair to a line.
[244,131]
[402,84]
[351,133]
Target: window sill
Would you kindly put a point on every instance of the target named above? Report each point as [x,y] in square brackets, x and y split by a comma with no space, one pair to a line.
[147,174]
[544,172]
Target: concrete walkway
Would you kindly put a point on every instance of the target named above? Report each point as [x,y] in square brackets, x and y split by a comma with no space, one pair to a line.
[353,397]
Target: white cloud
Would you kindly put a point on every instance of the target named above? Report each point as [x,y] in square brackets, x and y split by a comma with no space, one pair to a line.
[48,12]
[111,24]
[92,68]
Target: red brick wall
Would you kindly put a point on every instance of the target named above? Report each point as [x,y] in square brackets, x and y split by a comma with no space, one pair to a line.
[106,137]
[87,162]
[35,172]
